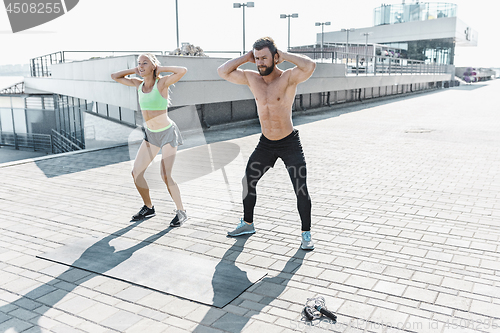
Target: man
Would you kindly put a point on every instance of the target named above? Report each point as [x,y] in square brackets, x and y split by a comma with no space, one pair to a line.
[274,91]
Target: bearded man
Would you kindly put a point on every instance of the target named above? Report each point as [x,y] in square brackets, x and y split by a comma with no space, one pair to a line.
[274,91]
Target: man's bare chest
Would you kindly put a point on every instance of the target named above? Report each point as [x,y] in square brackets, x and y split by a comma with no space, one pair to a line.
[269,93]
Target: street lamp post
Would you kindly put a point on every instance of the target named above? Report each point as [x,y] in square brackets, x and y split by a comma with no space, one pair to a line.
[366,34]
[285,16]
[177,22]
[239,5]
[322,24]
[347,43]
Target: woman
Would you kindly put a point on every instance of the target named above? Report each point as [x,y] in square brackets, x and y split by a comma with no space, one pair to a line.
[160,132]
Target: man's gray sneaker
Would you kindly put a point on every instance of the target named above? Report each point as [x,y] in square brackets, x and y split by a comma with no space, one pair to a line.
[179,219]
[307,243]
[242,229]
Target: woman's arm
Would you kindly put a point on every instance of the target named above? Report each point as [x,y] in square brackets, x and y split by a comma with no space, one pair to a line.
[120,77]
[177,73]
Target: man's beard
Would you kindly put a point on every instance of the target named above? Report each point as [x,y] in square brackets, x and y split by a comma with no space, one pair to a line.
[267,71]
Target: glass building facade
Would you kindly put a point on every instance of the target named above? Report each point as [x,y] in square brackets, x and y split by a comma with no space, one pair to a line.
[439,51]
[24,119]
[393,14]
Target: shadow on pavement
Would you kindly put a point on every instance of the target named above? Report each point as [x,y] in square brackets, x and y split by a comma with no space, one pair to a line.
[270,288]
[63,165]
[43,298]
[191,163]
[88,160]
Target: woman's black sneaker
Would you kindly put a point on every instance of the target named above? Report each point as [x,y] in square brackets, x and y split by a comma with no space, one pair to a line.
[144,213]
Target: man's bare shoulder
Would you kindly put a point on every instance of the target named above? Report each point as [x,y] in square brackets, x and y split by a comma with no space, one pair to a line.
[285,76]
[252,76]
[251,73]
[287,73]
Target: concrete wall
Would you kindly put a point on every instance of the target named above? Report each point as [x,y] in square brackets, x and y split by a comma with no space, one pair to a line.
[217,101]
[91,80]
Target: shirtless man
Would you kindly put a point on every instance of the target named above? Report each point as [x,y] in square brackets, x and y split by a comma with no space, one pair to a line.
[274,91]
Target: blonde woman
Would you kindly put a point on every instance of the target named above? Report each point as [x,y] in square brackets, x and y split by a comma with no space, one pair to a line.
[160,132]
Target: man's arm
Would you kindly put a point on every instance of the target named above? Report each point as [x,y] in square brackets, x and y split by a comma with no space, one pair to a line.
[229,70]
[304,66]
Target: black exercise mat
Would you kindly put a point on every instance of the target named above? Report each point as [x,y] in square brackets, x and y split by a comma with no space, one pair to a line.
[205,280]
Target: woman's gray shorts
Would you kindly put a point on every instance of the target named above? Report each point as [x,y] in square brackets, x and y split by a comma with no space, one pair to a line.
[171,135]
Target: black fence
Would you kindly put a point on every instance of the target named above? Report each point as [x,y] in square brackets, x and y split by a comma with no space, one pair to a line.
[61,143]
[359,64]
[55,143]
[35,142]
[41,66]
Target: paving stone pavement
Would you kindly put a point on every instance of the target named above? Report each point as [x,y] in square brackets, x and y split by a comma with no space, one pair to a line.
[406,211]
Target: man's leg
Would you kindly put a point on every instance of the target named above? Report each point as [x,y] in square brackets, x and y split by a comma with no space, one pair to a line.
[298,176]
[295,163]
[257,166]
[259,162]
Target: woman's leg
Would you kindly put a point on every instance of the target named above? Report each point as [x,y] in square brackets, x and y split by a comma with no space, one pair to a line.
[145,156]
[167,163]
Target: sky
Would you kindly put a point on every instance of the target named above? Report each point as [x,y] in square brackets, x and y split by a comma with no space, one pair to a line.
[214,25]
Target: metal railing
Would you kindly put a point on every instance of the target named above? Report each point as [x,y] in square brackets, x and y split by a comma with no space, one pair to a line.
[37,142]
[223,53]
[54,143]
[62,144]
[40,66]
[15,89]
[73,137]
[356,63]
[359,64]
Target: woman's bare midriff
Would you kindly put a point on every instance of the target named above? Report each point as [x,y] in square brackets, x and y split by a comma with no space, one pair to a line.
[156,119]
